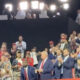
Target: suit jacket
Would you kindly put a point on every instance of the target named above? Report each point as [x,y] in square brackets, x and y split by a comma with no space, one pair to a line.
[57,70]
[47,70]
[51,56]
[67,68]
[65,46]
[31,74]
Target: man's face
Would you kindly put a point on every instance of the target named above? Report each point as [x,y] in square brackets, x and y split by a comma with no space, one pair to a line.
[51,45]
[65,52]
[74,32]
[20,38]
[58,52]
[43,56]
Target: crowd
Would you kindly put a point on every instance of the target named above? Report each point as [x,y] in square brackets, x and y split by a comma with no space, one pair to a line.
[61,61]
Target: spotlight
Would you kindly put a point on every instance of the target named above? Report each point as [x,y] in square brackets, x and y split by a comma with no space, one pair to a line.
[23,5]
[53,7]
[41,5]
[58,13]
[9,7]
[35,5]
[66,6]
[63,1]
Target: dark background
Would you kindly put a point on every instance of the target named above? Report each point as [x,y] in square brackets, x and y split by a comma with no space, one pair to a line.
[40,31]
[35,32]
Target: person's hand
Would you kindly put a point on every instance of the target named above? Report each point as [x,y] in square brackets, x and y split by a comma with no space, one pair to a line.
[53,61]
[40,70]
[60,59]
[36,70]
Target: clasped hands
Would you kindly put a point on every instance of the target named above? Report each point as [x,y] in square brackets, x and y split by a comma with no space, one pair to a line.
[38,70]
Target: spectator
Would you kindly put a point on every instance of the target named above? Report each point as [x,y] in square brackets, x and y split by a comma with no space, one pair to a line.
[21,45]
[13,52]
[77,68]
[30,60]
[51,45]
[45,67]
[16,65]
[27,72]
[67,65]
[63,42]
[78,39]
[34,56]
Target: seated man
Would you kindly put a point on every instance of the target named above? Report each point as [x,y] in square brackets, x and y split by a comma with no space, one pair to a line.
[27,72]
[45,67]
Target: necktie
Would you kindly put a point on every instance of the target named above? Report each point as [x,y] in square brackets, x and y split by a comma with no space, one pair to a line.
[42,64]
[25,74]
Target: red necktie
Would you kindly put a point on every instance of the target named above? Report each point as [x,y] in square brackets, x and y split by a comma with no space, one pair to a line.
[25,74]
[42,64]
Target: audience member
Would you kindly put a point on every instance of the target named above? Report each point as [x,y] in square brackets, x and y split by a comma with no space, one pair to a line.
[21,45]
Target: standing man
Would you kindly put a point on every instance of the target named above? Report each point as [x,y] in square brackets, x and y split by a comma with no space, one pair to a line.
[67,64]
[21,45]
[45,67]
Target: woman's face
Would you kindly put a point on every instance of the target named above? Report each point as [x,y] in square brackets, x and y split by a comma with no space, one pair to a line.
[18,55]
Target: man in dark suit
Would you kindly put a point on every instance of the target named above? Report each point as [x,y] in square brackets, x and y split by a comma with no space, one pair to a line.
[67,65]
[64,66]
[27,72]
[45,67]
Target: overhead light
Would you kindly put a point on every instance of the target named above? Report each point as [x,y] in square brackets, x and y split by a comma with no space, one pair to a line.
[53,7]
[63,1]
[23,5]
[9,6]
[35,5]
[41,5]
[66,6]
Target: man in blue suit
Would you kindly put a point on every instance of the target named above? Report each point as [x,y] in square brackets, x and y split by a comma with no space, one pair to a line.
[28,72]
[66,65]
[63,66]
[45,67]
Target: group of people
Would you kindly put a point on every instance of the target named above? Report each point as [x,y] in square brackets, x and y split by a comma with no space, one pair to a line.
[61,61]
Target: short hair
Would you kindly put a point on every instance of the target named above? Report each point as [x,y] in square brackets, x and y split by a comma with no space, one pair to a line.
[45,52]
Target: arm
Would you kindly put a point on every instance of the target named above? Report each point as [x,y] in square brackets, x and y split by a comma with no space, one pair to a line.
[24,46]
[49,68]
[69,64]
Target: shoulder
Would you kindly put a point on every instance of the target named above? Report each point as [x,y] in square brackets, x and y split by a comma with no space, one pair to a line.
[23,42]
[16,42]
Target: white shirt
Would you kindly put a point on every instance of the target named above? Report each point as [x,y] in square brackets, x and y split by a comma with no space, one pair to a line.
[62,46]
[22,47]
[21,14]
[66,58]
[34,56]
[43,14]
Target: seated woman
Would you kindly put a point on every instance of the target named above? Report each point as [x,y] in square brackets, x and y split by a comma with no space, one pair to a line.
[16,66]
[5,67]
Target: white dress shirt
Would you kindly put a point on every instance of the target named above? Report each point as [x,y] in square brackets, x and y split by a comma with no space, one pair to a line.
[22,48]
[34,56]
[44,62]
